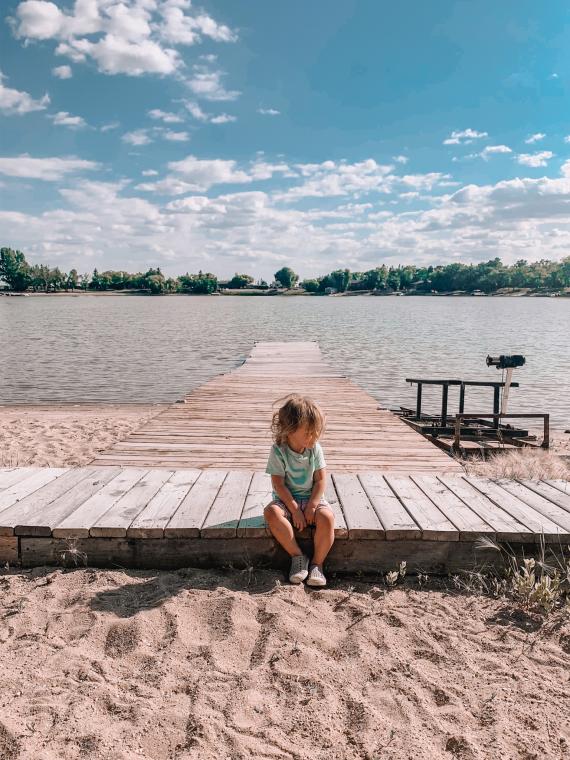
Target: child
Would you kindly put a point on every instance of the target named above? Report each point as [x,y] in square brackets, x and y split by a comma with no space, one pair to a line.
[298,476]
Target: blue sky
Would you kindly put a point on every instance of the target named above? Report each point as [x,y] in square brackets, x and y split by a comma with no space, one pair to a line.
[243,136]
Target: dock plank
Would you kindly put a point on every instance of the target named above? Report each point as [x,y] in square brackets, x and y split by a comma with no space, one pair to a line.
[79,522]
[520,504]
[42,521]
[223,517]
[396,521]
[190,515]
[434,525]
[469,524]
[252,522]
[505,526]
[117,519]
[225,423]
[32,482]
[555,495]
[11,477]
[556,518]
[150,523]
[359,514]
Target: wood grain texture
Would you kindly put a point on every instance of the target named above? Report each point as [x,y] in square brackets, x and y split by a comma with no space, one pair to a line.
[225,423]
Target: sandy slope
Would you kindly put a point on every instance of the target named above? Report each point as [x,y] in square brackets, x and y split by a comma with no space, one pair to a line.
[65,435]
[193,665]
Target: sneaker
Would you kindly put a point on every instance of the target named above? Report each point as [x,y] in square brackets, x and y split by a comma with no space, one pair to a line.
[299,569]
[316,577]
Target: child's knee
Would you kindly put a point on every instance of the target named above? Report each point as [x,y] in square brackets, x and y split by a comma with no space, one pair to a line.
[271,512]
[324,517]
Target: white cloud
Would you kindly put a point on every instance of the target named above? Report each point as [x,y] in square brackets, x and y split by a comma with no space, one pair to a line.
[149,173]
[49,169]
[64,119]
[135,35]
[137,137]
[464,137]
[181,29]
[223,118]
[535,138]
[200,115]
[400,159]
[493,150]
[201,174]
[331,179]
[168,134]
[535,159]
[206,83]
[165,116]
[268,112]
[17,102]
[110,126]
[62,72]
[567,139]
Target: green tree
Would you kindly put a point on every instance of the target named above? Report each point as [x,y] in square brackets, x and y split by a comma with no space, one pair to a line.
[240,281]
[14,269]
[286,277]
[311,286]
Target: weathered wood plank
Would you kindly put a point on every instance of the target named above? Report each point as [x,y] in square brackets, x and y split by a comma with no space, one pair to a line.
[378,556]
[33,482]
[551,511]
[190,515]
[79,522]
[361,519]
[395,519]
[8,550]
[252,522]
[505,526]
[560,485]
[115,521]
[554,495]
[150,523]
[42,522]
[224,515]
[469,524]
[518,501]
[9,477]
[36,503]
[433,523]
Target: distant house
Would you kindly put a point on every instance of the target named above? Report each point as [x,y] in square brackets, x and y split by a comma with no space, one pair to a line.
[330,291]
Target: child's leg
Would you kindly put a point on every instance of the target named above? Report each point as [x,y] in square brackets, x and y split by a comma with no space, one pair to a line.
[324,535]
[281,529]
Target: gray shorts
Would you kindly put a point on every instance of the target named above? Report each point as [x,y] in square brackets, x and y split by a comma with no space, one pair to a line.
[323,504]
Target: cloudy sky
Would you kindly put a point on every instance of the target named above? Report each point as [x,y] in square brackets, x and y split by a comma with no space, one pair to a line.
[244,135]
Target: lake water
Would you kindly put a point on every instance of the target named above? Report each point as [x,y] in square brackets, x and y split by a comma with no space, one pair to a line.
[144,349]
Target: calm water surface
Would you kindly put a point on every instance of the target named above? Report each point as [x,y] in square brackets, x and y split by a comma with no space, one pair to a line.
[143,349]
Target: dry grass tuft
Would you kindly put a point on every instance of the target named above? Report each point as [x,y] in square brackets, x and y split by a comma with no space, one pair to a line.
[526,464]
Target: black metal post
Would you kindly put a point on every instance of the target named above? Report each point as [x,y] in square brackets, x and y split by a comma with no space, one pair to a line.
[419,402]
[444,392]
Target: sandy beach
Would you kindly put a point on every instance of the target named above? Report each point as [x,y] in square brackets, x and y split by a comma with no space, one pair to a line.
[65,435]
[199,665]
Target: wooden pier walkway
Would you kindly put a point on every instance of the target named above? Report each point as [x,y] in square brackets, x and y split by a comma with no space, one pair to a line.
[225,422]
[164,518]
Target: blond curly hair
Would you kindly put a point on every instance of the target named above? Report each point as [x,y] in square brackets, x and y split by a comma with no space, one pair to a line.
[295,412]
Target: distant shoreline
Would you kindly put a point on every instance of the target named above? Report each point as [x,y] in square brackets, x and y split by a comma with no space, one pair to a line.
[514,293]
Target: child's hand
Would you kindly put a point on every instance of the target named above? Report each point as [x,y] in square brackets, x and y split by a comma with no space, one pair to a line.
[310,513]
[298,518]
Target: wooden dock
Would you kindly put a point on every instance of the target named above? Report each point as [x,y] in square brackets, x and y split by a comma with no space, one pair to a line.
[225,422]
[164,518]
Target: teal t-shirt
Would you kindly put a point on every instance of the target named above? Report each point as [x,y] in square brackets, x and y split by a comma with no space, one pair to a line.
[297,469]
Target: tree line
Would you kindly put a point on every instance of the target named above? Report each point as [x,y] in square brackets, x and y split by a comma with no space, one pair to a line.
[486,277]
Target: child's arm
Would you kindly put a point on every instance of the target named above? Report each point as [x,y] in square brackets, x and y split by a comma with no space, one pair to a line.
[284,494]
